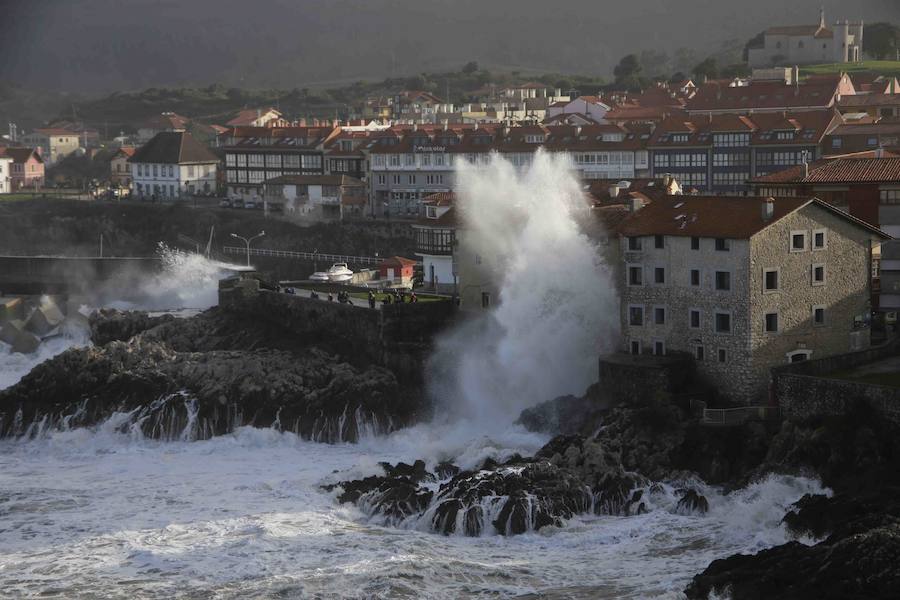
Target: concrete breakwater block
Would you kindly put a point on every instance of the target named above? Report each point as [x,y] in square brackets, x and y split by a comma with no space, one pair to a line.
[44,319]
[22,341]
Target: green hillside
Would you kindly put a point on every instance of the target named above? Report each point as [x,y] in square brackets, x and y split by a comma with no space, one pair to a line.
[883,67]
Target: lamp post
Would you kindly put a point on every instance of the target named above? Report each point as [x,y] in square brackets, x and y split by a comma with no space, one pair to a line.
[247,242]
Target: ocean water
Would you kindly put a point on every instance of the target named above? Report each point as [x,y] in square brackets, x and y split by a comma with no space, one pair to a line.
[95,514]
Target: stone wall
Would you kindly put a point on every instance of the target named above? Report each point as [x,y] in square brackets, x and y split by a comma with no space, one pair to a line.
[644,380]
[803,390]
[396,336]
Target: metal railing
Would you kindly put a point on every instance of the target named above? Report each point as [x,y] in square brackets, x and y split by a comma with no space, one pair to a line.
[335,258]
[737,416]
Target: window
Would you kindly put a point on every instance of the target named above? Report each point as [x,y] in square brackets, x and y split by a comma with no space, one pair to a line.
[485,300]
[635,347]
[771,324]
[382,180]
[731,140]
[695,243]
[634,243]
[818,274]
[890,196]
[636,316]
[659,241]
[723,355]
[818,315]
[659,348]
[723,281]
[798,241]
[155,170]
[770,280]
[256,160]
[699,353]
[635,276]
[722,245]
[659,315]
[412,179]
[695,277]
[872,141]
[694,318]
[819,239]
[395,179]
[723,322]
[659,275]
[836,142]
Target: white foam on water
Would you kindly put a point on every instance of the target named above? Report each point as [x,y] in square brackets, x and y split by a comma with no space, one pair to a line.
[99,514]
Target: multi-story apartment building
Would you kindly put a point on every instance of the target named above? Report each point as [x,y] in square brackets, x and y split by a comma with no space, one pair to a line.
[171,165]
[27,168]
[54,144]
[255,154]
[407,165]
[343,154]
[744,285]
[435,233]
[721,153]
[603,151]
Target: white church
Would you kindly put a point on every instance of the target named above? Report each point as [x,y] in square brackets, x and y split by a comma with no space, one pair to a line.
[809,44]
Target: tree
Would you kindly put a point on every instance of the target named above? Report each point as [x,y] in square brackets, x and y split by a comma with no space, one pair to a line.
[708,69]
[628,69]
[684,60]
[881,41]
[470,67]
[654,63]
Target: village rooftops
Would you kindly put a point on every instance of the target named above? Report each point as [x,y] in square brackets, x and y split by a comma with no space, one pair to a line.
[248,116]
[173,147]
[728,217]
[717,96]
[839,171]
[765,129]
[166,120]
[57,132]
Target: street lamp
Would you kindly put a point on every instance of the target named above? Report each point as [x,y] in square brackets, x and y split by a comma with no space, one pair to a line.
[247,242]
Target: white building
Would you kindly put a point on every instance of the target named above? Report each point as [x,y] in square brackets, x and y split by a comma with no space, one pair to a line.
[171,165]
[809,44]
[5,174]
[435,239]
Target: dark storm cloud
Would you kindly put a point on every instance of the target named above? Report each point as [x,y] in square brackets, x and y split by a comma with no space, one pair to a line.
[100,45]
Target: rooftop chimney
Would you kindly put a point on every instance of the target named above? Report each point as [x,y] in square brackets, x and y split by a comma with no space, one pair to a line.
[614,191]
[768,209]
[635,203]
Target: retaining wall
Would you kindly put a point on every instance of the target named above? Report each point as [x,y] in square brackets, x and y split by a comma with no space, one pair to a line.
[396,336]
[804,390]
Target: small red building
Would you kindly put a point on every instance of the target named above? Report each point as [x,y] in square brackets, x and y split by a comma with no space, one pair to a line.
[397,269]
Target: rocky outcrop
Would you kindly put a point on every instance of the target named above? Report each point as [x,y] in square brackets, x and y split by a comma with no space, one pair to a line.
[204,376]
[571,475]
[858,527]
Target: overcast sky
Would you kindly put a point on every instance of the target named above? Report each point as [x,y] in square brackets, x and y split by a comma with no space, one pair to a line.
[105,45]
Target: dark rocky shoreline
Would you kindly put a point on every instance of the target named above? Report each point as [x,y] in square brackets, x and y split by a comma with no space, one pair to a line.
[204,376]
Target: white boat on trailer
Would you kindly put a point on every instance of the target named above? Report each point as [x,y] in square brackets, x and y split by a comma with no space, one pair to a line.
[339,273]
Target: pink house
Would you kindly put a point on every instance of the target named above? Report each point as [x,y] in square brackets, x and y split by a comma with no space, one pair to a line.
[27,168]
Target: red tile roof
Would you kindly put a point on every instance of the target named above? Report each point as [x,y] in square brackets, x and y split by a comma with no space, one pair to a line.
[840,170]
[718,217]
[396,261]
[20,154]
[763,95]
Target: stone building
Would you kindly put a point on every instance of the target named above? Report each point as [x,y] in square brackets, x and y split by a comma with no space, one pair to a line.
[809,44]
[744,285]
